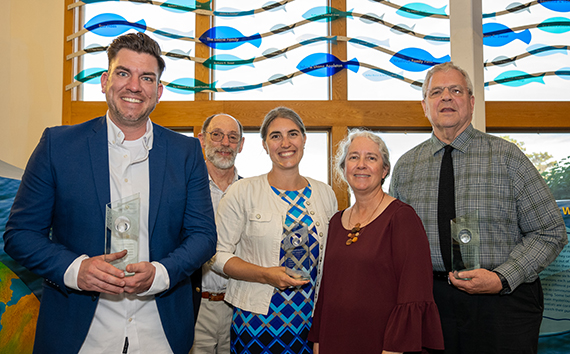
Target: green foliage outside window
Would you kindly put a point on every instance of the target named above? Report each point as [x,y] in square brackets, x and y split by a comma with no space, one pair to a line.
[558,179]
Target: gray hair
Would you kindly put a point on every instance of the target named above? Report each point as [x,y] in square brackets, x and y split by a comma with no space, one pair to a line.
[343,146]
[446,67]
[208,120]
[281,112]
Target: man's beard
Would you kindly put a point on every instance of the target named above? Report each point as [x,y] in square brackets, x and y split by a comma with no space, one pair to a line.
[221,162]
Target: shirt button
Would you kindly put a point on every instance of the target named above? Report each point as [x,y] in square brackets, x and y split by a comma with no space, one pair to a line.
[125,156]
[318,223]
[321,234]
[312,212]
[321,247]
[308,203]
[126,180]
[258,216]
[131,319]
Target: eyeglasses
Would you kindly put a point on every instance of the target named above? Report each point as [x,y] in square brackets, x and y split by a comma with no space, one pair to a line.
[454,90]
[218,136]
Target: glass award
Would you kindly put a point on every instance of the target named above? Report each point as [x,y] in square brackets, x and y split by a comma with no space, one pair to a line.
[466,243]
[295,247]
[122,230]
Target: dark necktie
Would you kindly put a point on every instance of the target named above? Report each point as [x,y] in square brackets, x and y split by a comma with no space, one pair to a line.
[446,206]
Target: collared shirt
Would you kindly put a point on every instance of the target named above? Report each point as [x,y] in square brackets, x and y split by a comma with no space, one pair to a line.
[520,226]
[214,282]
[126,315]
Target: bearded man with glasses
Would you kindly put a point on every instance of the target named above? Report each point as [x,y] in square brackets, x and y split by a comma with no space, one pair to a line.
[222,139]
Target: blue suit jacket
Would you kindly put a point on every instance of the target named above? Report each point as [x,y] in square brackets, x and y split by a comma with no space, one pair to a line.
[65,189]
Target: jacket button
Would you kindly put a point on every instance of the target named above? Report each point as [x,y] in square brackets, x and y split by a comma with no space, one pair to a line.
[258,216]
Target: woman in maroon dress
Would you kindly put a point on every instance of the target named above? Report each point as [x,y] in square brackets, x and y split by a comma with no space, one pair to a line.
[376,292]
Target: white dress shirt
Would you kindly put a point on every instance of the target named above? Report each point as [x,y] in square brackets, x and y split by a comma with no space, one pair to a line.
[127,315]
[212,281]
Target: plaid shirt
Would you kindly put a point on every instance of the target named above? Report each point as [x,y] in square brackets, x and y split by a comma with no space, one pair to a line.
[521,228]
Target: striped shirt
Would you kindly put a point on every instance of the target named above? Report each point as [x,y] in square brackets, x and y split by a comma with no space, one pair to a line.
[521,228]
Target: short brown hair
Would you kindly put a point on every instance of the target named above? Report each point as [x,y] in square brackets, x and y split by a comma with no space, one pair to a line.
[137,42]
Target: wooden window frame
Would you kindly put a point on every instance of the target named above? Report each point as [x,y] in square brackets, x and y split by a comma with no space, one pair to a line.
[335,115]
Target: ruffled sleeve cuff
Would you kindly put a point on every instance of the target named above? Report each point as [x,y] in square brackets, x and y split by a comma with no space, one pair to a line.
[413,326]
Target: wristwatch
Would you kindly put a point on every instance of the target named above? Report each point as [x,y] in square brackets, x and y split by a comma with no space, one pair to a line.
[506,287]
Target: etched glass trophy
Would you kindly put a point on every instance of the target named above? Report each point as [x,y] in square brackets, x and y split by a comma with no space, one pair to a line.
[122,230]
[466,243]
[295,246]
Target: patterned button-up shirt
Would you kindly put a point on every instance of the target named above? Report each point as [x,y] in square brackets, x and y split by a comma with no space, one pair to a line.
[521,228]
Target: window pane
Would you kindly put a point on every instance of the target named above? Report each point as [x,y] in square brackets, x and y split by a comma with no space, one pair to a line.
[528,59]
[237,79]
[398,55]
[398,144]
[139,15]
[547,151]
[254,161]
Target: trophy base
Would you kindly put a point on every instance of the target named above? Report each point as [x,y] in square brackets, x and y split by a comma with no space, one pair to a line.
[456,274]
[297,274]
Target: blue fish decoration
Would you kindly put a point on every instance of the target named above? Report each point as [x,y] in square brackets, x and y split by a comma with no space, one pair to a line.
[518,7]
[187,86]
[226,62]
[371,42]
[178,54]
[419,10]
[517,78]
[280,79]
[542,50]
[502,60]
[112,25]
[281,28]
[498,35]
[555,25]
[563,73]
[325,65]
[372,18]
[90,76]
[437,38]
[95,49]
[308,39]
[558,6]
[514,8]
[174,34]
[416,59]
[227,38]
[179,5]
[273,6]
[402,28]
[378,75]
[275,53]
[231,12]
[236,86]
[325,14]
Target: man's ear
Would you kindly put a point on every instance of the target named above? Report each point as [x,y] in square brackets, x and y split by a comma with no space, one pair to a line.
[104,78]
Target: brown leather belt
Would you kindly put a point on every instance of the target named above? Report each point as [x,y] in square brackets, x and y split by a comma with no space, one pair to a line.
[213,296]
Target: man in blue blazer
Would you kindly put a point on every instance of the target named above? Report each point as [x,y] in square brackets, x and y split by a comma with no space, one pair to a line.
[57,223]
